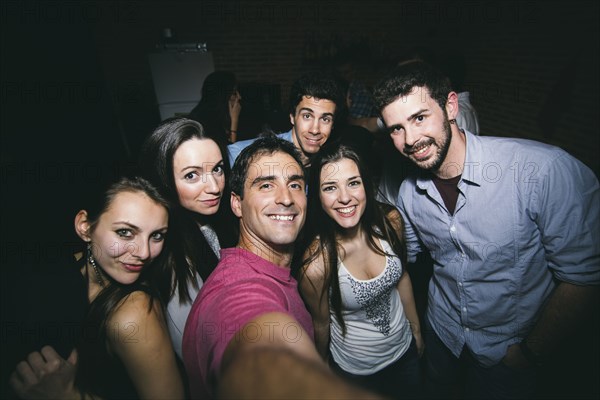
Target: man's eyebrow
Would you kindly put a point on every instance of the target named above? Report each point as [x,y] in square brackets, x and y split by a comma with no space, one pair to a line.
[310,110]
[263,178]
[416,114]
[410,118]
[296,177]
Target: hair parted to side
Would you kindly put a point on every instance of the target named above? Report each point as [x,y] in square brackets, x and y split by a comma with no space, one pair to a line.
[318,85]
[98,205]
[404,78]
[321,235]
[188,251]
[265,145]
[111,296]
[156,156]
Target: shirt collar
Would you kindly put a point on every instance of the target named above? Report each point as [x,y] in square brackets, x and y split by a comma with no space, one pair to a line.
[471,170]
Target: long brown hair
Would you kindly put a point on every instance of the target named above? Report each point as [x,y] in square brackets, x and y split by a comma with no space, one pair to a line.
[320,235]
[188,250]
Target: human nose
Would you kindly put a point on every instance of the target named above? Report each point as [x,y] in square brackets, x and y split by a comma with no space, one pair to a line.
[141,250]
[284,196]
[410,137]
[314,127]
[212,186]
[343,196]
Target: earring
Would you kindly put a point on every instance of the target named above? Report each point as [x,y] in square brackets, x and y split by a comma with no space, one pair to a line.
[92,261]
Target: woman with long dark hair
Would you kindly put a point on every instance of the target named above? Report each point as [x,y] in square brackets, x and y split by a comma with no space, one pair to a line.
[190,168]
[124,349]
[353,279]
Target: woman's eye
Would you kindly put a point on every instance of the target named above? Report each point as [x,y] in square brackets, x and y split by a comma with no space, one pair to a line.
[328,188]
[218,170]
[158,236]
[190,175]
[420,118]
[124,233]
[354,183]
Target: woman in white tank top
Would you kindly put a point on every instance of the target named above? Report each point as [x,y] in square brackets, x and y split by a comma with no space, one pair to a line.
[353,282]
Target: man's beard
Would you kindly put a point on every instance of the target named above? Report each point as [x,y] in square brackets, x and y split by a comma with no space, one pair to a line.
[435,164]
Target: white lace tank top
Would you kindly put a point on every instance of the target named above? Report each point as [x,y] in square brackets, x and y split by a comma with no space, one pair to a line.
[377,331]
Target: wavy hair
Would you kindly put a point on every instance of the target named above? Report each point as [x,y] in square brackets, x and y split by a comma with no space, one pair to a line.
[320,239]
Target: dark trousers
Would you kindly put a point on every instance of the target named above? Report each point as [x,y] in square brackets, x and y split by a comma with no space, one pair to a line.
[447,376]
[400,380]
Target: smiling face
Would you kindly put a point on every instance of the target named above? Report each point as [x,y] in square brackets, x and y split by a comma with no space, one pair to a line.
[342,193]
[127,236]
[419,128]
[312,124]
[273,208]
[199,175]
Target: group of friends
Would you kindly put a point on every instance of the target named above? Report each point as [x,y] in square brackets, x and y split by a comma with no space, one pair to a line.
[269,268]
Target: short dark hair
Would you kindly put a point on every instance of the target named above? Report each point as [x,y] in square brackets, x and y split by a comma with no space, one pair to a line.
[319,85]
[402,79]
[262,146]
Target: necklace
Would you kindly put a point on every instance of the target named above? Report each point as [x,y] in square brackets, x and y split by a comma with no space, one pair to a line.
[98,275]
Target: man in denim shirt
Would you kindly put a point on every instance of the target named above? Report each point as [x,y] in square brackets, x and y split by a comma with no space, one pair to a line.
[512,226]
[314,100]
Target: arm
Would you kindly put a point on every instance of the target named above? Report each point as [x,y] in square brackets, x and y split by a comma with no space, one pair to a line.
[566,308]
[405,287]
[311,287]
[235,107]
[408,303]
[139,337]
[275,367]
[565,206]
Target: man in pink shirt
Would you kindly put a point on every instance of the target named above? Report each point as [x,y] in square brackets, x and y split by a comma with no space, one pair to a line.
[248,332]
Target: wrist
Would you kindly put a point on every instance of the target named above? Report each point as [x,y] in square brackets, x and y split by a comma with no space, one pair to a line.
[415,328]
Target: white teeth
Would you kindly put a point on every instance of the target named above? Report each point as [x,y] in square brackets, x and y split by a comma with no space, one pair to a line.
[347,210]
[421,151]
[282,217]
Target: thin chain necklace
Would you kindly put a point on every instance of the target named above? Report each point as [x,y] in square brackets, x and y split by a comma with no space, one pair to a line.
[98,275]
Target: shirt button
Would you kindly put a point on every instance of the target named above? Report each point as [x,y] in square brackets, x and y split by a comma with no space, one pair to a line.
[460,284]
[452,228]
[465,309]
[467,329]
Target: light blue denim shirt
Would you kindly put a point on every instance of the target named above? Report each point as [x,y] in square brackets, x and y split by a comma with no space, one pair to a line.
[236,148]
[526,213]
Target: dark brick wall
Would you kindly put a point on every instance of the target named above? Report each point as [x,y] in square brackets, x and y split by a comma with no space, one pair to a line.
[532,64]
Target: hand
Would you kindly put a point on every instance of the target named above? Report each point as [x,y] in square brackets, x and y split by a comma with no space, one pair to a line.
[46,375]
[514,357]
[235,107]
[420,343]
